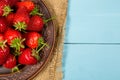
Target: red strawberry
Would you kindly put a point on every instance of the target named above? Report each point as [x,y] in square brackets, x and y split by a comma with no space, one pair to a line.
[36,23]
[3,25]
[21,19]
[4,8]
[11,34]
[4,50]
[13,38]
[32,39]
[27,57]
[28,4]
[10,18]
[4,54]
[11,2]
[1,38]
[10,62]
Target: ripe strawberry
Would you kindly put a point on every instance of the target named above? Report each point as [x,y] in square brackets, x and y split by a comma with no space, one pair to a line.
[13,38]
[4,50]
[4,8]
[4,54]
[11,2]
[1,38]
[3,25]
[9,19]
[27,57]
[32,39]
[11,34]
[28,4]
[10,62]
[36,23]
[21,19]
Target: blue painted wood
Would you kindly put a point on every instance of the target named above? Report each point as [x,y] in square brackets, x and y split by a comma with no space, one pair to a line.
[91,62]
[93,21]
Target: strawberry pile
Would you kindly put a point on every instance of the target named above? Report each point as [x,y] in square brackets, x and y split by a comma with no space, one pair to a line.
[20,33]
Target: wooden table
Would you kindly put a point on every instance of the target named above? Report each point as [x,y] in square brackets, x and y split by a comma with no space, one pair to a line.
[92,43]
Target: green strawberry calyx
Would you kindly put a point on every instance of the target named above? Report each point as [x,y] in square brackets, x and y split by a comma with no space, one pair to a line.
[7,10]
[21,26]
[3,44]
[35,11]
[35,52]
[17,44]
[16,69]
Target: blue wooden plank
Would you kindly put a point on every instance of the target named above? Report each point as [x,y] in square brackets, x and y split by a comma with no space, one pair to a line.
[93,21]
[91,62]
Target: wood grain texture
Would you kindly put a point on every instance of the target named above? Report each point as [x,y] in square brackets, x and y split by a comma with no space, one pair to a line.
[93,21]
[53,71]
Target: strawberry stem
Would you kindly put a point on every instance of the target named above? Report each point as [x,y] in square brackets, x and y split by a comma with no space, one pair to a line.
[47,20]
[7,10]
[35,54]
[41,44]
[35,11]
[41,47]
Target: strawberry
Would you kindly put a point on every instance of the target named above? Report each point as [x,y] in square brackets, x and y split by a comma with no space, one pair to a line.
[11,2]
[4,50]
[1,38]
[32,39]
[4,8]
[9,19]
[11,34]
[10,62]
[28,4]
[21,19]
[3,25]
[27,57]
[4,54]
[14,39]
[31,56]
[36,23]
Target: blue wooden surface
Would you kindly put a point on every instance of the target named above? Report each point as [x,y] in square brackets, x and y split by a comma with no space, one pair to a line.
[93,21]
[92,43]
[92,62]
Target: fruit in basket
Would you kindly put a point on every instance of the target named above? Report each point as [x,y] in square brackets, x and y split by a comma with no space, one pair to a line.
[36,23]
[4,54]
[5,8]
[27,57]
[11,2]
[3,25]
[28,4]
[4,50]
[33,39]
[10,62]
[21,39]
[21,19]
[9,19]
